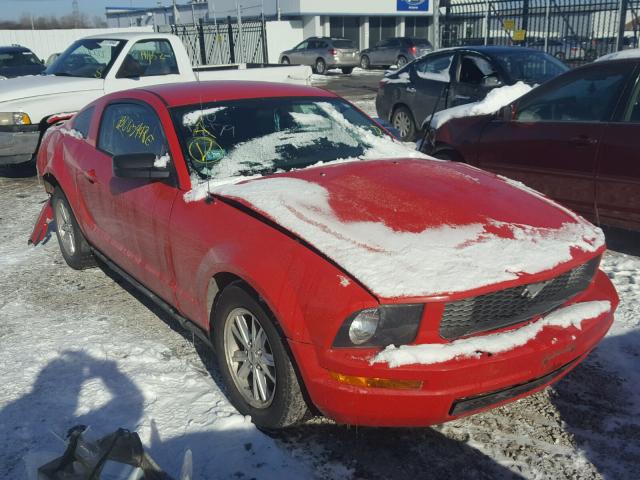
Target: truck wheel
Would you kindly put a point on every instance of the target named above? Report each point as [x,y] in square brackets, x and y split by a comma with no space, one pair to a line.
[365,63]
[255,366]
[321,66]
[402,61]
[402,120]
[73,245]
[285,61]
[347,70]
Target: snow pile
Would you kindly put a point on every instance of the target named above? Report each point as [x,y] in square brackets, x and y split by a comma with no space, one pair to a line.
[401,78]
[571,316]
[392,263]
[192,118]
[630,53]
[71,133]
[494,101]
[162,161]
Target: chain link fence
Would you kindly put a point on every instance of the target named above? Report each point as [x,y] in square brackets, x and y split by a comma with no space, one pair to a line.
[223,42]
[576,31]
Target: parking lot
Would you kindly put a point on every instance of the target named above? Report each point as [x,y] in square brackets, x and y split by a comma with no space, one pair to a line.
[85,348]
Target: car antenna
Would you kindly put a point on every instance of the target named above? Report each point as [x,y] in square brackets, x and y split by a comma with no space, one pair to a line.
[443,93]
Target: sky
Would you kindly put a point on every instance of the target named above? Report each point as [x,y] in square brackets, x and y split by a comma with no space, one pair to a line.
[14,9]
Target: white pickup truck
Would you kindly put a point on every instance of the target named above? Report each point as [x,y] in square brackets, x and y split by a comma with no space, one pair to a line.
[97,65]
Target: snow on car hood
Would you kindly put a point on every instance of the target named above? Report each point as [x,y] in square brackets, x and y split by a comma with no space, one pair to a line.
[417,228]
[38,85]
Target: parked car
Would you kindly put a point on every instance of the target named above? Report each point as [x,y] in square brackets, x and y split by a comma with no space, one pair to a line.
[17,61]
[388,291]
[394,51]
[97,65]
[322,54]
[576,139]
[456,76]
[564,49]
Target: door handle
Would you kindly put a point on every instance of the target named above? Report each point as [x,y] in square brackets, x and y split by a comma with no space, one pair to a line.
[411,90]
[90,175]
[583,141]
[462,97]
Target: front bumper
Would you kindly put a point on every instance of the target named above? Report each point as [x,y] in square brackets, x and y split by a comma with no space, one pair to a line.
[18,144]
[475,383]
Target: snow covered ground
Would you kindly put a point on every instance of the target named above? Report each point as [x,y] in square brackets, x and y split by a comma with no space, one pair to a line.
[81,348]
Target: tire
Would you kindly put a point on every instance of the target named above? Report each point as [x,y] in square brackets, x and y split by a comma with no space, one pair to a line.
[402,120]
[285,61]
[402,61]
[73,245]
[347,70]
[280,402]
[365,62]
[320,67]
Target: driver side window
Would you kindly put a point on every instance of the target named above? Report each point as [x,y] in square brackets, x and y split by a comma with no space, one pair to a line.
[435,68]
[128,128]
[589,96]
[149,58]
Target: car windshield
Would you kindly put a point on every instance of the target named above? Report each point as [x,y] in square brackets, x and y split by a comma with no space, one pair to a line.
[342,43]
[263,136]
[89,58]
[19,58]
[530,67]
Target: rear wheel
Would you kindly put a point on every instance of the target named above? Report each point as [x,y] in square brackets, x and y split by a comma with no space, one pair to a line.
[254,363]
[365,63]
[402,120]
[402,61]
[347,70]
[321,66]
[285,61]
[73,245]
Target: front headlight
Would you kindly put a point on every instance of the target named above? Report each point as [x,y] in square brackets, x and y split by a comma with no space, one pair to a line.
[14,118]
[379,327]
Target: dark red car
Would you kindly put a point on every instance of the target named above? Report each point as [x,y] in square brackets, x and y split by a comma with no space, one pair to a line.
[575,138]
[326,268]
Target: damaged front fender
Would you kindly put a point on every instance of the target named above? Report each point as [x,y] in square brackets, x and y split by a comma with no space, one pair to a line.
[42,229]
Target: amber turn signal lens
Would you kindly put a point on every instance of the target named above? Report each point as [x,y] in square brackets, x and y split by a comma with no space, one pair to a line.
[377,382]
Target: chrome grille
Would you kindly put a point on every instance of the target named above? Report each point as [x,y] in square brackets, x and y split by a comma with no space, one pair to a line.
[514,305]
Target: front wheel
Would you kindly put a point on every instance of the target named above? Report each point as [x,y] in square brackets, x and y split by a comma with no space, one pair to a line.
[285,61]
[402,61]
[321,67]
[73,245]
[365,63]
[255,366]
[402,120]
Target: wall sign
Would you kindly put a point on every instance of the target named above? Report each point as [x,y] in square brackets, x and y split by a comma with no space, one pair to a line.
[413,5]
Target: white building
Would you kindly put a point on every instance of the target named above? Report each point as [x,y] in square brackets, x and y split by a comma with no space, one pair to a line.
[364,21]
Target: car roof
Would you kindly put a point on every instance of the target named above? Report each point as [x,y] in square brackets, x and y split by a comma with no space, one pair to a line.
[14,48]
[192,93]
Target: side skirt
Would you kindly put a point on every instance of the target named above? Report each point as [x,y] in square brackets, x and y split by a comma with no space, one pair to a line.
[183,321]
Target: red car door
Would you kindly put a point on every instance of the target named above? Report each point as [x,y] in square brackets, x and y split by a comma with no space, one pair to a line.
[136,212]
[618,172]
[551,143]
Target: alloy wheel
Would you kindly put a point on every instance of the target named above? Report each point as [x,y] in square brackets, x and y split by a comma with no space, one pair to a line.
[65,228]
[250,358]
[402,123]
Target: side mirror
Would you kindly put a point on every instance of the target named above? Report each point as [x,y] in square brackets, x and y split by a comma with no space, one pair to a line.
[491,81]
[138,165]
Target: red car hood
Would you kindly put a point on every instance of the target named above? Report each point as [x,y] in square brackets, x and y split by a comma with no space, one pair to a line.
[423,228]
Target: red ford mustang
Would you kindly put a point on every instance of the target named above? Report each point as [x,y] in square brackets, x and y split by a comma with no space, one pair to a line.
[324,267]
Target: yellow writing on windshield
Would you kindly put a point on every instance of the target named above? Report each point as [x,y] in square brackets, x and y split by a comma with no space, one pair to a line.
[138,130]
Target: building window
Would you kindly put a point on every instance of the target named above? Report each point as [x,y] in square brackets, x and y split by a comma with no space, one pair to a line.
[381,28]
[416,27]
[346,27]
